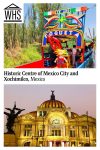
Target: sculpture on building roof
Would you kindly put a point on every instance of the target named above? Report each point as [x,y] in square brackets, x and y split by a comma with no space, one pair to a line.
[52,96]
[11,116]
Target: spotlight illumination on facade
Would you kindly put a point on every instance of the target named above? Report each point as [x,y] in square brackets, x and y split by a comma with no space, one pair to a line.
[53,125]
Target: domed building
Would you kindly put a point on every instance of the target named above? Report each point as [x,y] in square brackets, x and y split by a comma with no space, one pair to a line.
[54,125]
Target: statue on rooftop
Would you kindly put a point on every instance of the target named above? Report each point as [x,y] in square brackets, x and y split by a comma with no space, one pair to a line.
[52,95]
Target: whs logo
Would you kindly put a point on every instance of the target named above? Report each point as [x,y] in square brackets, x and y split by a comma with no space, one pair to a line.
[12,13]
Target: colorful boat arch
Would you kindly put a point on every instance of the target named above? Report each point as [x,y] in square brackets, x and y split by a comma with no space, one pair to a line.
[60,27]
[75,33]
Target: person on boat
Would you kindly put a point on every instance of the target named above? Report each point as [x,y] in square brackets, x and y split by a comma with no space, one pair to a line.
[77,57]
[61,61]
[73,55]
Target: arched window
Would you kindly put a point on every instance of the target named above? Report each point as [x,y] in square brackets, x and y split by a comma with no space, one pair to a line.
[27,144]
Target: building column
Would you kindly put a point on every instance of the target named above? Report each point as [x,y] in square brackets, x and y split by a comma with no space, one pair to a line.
[49,131]
[39,132]
[37,113]
[62,144]
[67,131]
[46,130]
[22,130]
[63,130]
[50,144]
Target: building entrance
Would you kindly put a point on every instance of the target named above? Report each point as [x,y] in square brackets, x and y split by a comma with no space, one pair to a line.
[58,144]
[27,144]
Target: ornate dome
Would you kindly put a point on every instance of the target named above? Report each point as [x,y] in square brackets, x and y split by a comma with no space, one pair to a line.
[52,103]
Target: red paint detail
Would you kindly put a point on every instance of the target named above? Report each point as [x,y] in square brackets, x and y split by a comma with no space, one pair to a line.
[84,8]
[37,64]
[54,42]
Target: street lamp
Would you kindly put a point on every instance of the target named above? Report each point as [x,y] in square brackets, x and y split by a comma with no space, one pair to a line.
[88,128]
[43,131]
[78,132]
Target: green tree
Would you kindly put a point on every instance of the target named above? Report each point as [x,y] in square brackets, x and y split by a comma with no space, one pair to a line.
[41,8]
